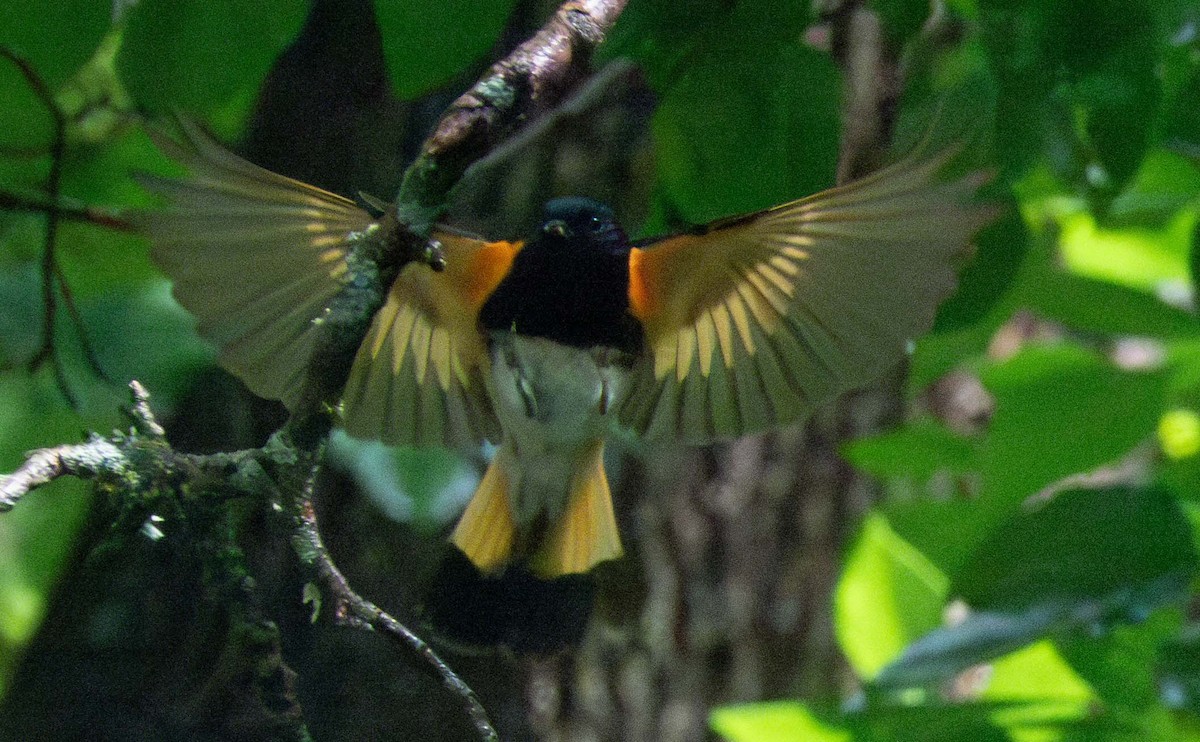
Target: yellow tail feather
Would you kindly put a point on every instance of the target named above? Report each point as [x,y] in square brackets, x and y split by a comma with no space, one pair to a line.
[486,531]
[586,534]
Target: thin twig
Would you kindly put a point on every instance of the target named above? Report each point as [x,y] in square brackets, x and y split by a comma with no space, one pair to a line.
[351,608]
[51,272]
[99,216]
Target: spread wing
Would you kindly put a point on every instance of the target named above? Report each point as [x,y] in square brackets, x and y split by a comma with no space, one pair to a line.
[751,323]
[254,256]
[258,257]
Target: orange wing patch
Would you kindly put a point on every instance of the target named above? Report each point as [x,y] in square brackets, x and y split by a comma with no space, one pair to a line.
[752,323]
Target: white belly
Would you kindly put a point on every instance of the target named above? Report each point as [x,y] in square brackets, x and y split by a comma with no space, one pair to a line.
[553,401]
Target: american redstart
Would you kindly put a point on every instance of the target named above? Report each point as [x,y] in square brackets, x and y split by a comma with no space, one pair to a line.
[546,346]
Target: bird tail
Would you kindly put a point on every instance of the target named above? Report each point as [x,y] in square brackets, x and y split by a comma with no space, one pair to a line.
[581,537]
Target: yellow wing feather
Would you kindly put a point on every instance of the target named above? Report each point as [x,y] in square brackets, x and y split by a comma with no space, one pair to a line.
[257,258]
[426,338]
[752,322]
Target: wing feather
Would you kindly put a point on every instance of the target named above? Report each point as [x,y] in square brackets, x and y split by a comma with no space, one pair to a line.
[426,337]
[258,257]
[755,320]
[255,256]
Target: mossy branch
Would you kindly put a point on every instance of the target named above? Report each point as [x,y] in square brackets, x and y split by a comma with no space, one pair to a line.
[534,79]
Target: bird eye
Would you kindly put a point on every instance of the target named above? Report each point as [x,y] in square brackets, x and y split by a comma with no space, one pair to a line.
[596,224]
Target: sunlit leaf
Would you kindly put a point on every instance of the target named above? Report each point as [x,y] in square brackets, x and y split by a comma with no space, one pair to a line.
[1179,433]
[780,721]
[888,595]
[1141,258]
[1037,672]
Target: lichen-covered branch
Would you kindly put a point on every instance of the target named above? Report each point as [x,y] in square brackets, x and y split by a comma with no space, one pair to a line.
[537,76]
[534,78]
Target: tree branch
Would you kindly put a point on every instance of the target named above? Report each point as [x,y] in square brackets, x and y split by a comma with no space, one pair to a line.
[352,609]
[871,87]
[533,79]
[537,76]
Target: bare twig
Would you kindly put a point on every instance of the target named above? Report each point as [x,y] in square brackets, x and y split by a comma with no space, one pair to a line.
[99,216]
[51,273]
[351,608]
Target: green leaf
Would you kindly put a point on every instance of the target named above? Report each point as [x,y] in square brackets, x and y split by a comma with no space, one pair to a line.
[1120,664]
[936,721]
[888,594]
[667,39]
[919,449]
[56,39]
[1037,575]
[37,537]
[1087,93]
[424,487]
[204,58]
[981,637]
[1061,410]
[776,721]
[426,48]
[1099,306]
[1140,536]
[1001,248]
[944,531]
[736,133]
[1178,667]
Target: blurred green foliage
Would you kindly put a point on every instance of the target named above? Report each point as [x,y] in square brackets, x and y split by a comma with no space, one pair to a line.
[1076,598]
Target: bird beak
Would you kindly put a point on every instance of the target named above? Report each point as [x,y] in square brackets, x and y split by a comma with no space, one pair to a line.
[557,228]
